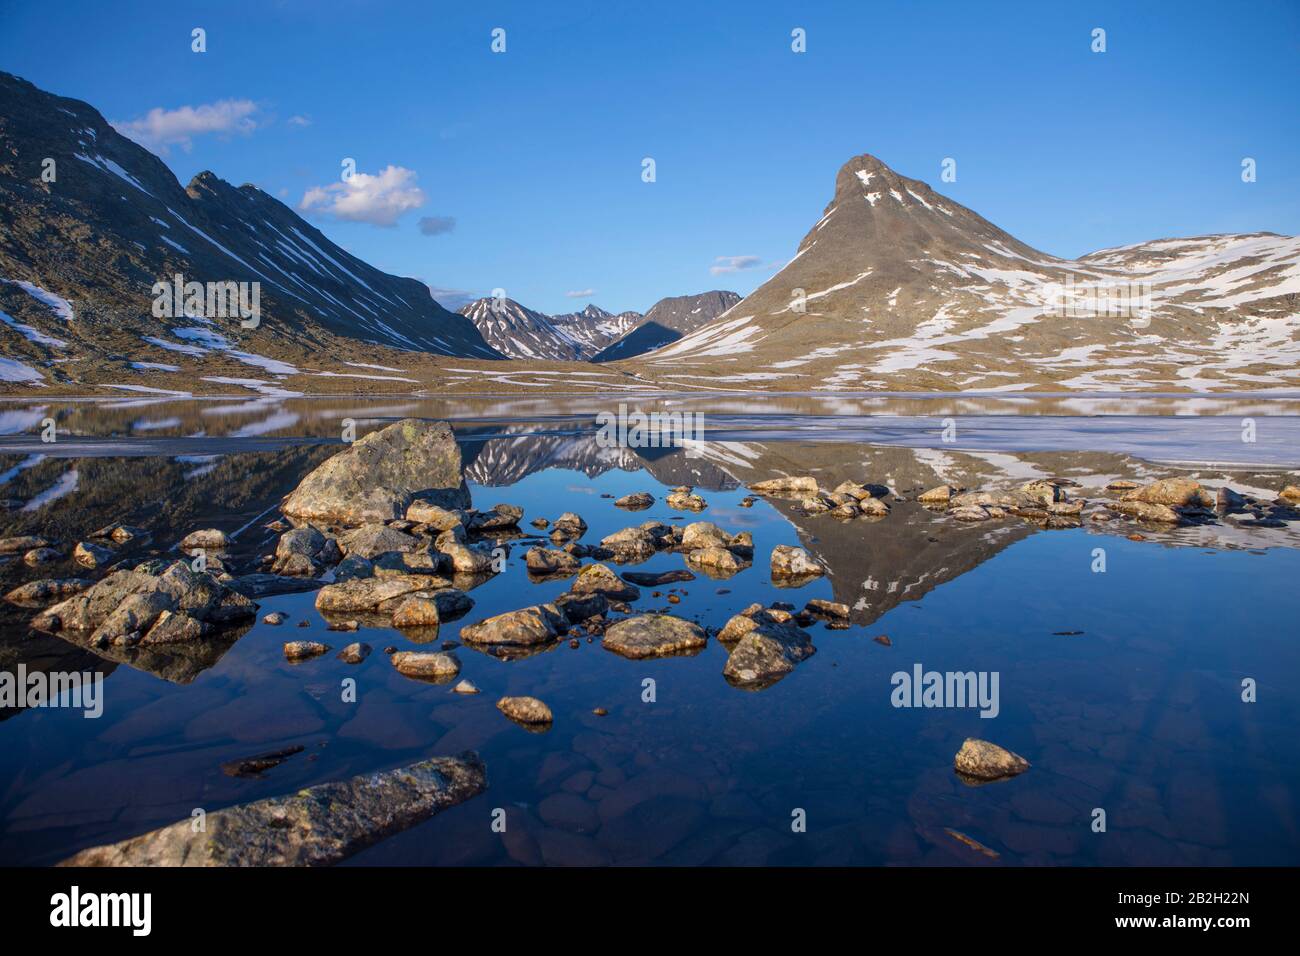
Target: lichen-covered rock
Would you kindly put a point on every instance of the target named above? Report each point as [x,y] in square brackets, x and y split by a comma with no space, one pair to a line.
[128,602]
[372,594]
[47,590]
[599,579]
[985,761]
[830,610]
[1148,511]
[305,552]
[91,555]
[421,610]
[686,501]
[540,624]
[704,534]
[654,635]
[581,607]
[938,496]
[551,561]
[304,650]
[354,653]
[318,826]
[716,562]
[439,667]
[501,516]
[466,558]
[766,653]
[373,539]
[435,517]
[206,539]
[569,525]
[1290,493]
[637,501]
[629,545]
[786,485]
[788,562]
[378,476]
[1175,492]
[22,543]
[525,710]
[40,556]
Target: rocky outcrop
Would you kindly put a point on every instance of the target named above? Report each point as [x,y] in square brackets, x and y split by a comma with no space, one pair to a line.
[629,546]
[982,760]
[318,826]
[767,646]
[1175,492]
[654,635]
[155,603]
[378,477]
[377,593]
[786,485]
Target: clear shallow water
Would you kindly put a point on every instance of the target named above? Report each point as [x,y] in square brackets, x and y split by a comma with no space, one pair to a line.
[1140,714]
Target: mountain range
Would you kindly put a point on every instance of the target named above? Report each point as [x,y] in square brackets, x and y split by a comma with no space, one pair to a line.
[895,287]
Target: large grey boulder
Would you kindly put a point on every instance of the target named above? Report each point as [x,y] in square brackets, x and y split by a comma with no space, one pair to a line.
[318,826]
[378,476]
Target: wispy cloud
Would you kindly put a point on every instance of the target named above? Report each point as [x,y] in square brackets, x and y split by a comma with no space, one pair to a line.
[379,200]
[437,225]
[453,299]
[725,264]
[160,129]
[299,121]
[581,293]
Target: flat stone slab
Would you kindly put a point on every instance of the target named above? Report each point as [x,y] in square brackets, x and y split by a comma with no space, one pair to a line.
[318,826]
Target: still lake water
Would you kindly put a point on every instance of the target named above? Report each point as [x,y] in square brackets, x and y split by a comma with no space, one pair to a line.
[1123,688]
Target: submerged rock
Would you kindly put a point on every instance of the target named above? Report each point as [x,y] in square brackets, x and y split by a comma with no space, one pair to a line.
[378,477]
[318,826]
[256,765]
[654,635]
[654,579]
[526,710]
[985,761]
[788,562]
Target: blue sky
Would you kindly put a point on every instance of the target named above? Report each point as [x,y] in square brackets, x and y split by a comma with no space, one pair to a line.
[536,153]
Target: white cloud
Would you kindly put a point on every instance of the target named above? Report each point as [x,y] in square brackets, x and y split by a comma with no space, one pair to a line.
[159,128]
[581,293]
[724,264]
[379,200]
[299,121]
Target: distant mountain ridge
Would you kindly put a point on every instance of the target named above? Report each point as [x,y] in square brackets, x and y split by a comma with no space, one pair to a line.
[897,287]
[667,321]
[113,221]
[519,332]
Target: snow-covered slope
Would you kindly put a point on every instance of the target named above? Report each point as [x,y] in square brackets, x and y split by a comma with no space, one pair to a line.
[667,321]
[520,332]
[898,287]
